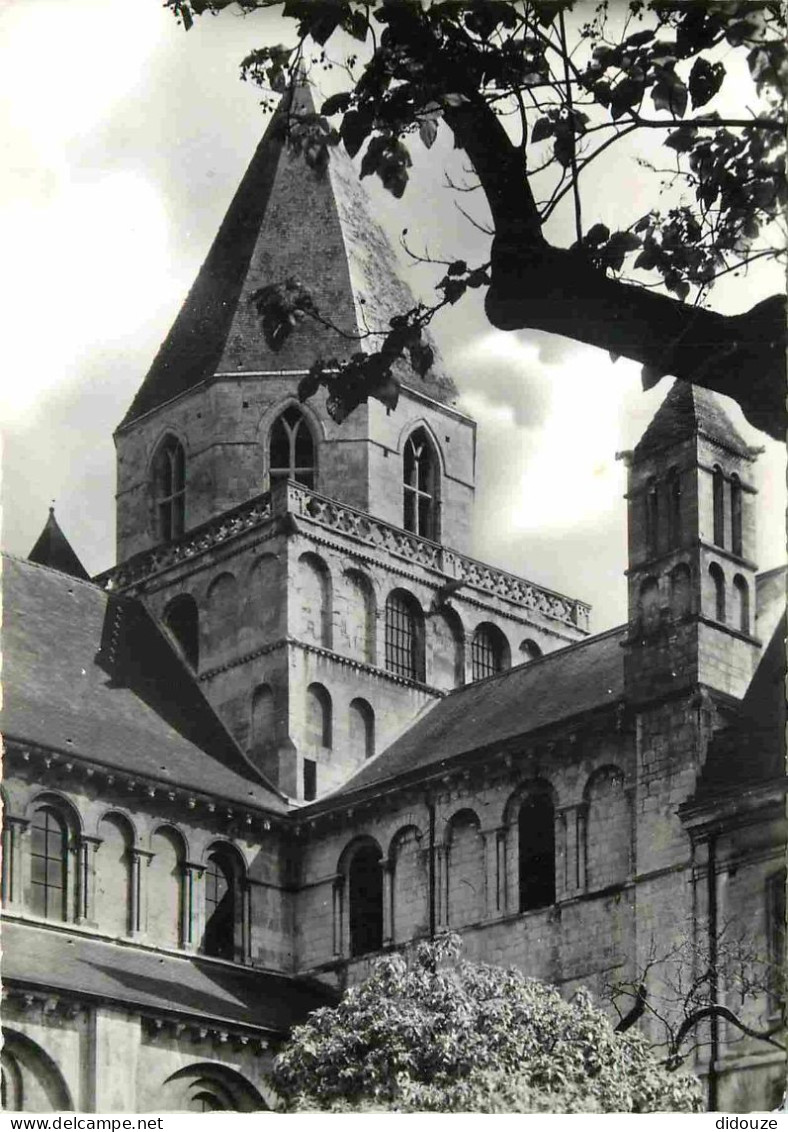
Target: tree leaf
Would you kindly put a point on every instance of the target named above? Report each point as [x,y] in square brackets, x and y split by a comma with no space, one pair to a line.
[705,80]
[428,131]
[356,128]
[336,103]
[543,128]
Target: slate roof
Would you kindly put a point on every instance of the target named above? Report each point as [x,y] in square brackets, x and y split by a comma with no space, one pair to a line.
[285,221]
[563,684]
[183,985]
[94,674]
[53,549]
[689,410]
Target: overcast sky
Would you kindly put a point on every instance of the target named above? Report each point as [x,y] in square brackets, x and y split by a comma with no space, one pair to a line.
[125,139]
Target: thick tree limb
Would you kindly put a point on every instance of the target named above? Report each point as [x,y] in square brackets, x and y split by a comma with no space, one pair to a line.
[538,287]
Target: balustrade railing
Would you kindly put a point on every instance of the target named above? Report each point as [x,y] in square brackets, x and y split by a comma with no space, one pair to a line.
[294,499]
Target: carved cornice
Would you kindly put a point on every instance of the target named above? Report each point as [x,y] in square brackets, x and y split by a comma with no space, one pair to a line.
[293,499]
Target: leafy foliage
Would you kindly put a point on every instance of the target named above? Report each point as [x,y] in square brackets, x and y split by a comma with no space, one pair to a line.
[428,1031]
[534,96]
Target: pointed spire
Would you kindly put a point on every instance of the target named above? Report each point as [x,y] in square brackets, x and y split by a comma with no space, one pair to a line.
[53,549]
[687,411]
[286,221]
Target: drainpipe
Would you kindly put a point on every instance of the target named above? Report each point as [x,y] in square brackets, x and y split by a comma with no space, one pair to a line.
[714,1022]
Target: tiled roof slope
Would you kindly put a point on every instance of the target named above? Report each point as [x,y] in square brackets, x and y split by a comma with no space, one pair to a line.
[36,956]
[562,684]
[53,549]
[91,673]
[285,221]
[687,411]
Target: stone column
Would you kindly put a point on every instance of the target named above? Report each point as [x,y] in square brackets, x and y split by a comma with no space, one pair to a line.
[191,910]
[492,903]
[441,886]
[137,858]
[338,918]
[387,870]
[14,831]
[582,845]
[85,887]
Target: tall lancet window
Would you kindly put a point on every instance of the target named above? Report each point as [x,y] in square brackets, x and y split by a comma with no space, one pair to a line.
[292,448]
[169,488]
[420,481]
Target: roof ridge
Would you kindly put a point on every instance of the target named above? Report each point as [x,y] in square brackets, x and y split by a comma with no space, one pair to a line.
[24,561]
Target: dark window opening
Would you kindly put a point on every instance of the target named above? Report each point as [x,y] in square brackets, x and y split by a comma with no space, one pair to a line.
[420,483]
[718,579]
[652,518]
[718,491]
[674,508]
[404,639]
[219,938]
[310,780]
[292,449]
[365,882]
[736,516]
[49,864]
[169,472]
[181,618]
[536,828]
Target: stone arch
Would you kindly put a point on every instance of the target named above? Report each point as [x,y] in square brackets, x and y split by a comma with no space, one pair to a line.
[292,447]
[422,475]
[409,884]
[607,828]
[681,590]
[264,597]
[648,604]
[361,866]
[465,888]
[736,516]
[741,604]
[315,612]
[208,1087]
[55,888]
[263,719]
[182,618]
[447,651]
[717,578]
[361,729]
[222,613]
[319,716]
[167,486]
[529,817]
[113,876]
[165,886]
[33,1076]
[360,616]
[530,650]
[224,883]
[718,505]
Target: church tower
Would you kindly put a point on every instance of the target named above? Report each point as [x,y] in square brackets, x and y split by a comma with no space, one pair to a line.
[692,547]
[315,575]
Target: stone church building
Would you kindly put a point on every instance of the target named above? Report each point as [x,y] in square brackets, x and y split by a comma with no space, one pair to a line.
[298,725]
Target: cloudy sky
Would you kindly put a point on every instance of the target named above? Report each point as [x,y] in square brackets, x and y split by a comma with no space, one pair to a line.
[125,139]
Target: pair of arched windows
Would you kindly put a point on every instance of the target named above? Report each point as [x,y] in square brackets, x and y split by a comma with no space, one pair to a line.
[719,512]
[663,513]
[739,614]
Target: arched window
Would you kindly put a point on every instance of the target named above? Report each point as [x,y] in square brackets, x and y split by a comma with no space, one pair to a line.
[530,650]
[315,615]
[319,723]
[489,652]
[718,491]
[536,859]
[718,582]
[680,590]
[365,890]
[169,488]
[404,636]
[165,888]
[736,516]
[652,517]
[292,448]
[222,906]
[113,875]
[649,605]
[421,479]
[361,728]
[49,864]
[741,610]
[182,620]
[673,492]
